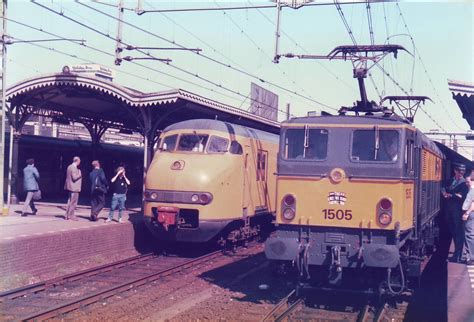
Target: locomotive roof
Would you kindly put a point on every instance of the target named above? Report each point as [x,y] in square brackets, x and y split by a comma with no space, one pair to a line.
[349,119]
[226,127]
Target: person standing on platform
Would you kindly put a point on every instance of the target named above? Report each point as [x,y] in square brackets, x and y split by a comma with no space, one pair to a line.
[30,184]
[99,187]
[454,194]
[120,184]
[468,218]
[73,185]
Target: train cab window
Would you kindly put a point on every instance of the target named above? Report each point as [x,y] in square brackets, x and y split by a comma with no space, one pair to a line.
[169,143]
[236,148]
[306,144]
[192,142]
[217,145]
[375,145]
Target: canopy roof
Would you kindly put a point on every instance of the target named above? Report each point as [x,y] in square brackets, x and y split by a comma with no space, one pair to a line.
[89,99]
[463,94]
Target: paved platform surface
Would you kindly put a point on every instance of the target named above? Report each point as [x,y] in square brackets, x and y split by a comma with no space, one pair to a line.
[45,245]
[50,219]
[460,295]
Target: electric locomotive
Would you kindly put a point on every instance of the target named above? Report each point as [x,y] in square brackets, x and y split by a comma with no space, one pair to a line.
[211,180]
[358,197]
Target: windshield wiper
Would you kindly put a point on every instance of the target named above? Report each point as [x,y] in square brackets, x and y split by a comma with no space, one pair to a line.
[377,142]
[306,140]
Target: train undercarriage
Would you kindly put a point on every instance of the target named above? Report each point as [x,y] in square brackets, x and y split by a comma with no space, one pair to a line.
[226,233]
[380,263]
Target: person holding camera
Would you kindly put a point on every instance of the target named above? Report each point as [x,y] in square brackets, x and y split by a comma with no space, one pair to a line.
[120,184]
[99,187]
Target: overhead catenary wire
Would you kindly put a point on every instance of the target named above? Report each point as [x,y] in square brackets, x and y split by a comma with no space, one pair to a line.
[351,35]
[424,66]
[183,70]
[258,78]
[118,70]
[379,66]
[304,50]
[259,48]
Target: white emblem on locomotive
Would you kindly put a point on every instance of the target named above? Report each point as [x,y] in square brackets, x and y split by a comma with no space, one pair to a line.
[338,198]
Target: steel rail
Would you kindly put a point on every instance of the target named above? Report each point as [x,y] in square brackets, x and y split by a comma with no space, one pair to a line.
[271,315]
[381,312]
[292,307]
[41,286]
[363,314]
[100,295]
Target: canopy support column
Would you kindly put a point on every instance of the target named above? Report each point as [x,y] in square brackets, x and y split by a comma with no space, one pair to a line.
[96,131]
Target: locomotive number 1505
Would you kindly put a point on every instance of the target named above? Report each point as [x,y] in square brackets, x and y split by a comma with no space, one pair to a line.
[338,214]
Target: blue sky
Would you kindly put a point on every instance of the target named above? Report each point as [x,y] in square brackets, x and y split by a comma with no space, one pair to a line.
[442,33]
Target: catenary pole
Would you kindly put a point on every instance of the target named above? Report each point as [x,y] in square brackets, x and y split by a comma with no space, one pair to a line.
[3,107]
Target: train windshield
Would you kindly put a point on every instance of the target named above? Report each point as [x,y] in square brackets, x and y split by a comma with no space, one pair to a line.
[192,142]
[306,144]
[217,144]
[169,143]
[375,145]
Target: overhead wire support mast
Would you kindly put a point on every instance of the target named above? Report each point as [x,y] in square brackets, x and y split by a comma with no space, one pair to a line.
[4,36]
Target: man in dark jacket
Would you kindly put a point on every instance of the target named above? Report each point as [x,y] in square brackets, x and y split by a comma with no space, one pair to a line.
[454,194]
[30,184]
[99,187]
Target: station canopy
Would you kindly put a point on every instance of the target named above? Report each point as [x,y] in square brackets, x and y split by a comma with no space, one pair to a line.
[463,94]
[91,100]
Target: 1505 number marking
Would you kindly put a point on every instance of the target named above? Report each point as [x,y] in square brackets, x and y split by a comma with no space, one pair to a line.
[338,214]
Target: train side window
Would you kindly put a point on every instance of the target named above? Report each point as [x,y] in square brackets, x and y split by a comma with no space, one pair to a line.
[306,144]
[375,145]
[169,143]
[235,148]
[217,145]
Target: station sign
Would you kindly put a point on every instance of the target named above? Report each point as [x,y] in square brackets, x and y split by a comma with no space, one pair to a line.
[90,70]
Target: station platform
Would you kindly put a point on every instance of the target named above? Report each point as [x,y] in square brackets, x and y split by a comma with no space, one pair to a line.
[460,295]
[45,245]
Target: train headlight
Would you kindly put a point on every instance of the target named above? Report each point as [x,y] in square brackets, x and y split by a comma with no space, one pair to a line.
[194,198]
[205,198]
[150,195]
[385,204]
[288,213]
[289,200]
[337,175]
[385,218]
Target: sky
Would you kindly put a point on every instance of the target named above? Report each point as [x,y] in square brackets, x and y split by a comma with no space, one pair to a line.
[442,48]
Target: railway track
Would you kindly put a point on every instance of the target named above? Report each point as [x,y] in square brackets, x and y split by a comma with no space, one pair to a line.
[293,308]
[61,295]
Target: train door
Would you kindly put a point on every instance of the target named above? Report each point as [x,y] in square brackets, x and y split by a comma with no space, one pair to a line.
[247,186]
[262,177]
[255,176]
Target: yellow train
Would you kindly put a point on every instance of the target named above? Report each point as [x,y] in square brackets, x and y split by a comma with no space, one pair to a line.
[357,194]
[211,180]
